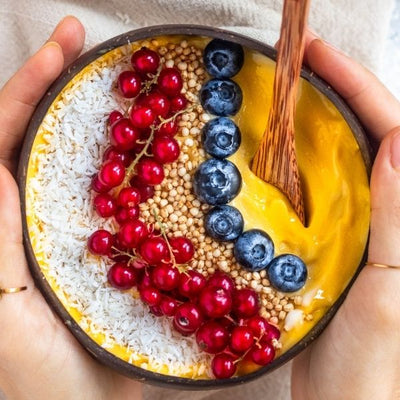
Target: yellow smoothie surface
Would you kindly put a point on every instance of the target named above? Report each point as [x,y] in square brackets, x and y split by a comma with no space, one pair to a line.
[335,188]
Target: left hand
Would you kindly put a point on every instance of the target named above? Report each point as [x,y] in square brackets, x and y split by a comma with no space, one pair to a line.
[39,357]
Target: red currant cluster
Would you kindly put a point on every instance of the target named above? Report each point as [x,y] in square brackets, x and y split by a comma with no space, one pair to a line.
[226,321]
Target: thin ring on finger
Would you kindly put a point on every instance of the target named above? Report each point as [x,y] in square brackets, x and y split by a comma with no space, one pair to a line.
[381,265]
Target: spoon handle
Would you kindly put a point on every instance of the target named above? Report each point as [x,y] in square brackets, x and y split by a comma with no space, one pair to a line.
[275,161]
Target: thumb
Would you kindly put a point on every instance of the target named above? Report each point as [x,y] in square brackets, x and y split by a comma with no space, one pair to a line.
[385,202]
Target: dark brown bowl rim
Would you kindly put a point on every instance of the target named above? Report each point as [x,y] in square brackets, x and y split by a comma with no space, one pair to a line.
[90,345]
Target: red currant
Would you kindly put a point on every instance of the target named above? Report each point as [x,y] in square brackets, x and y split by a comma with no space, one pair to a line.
[258,325]
[242,339]
[245,304]
[168,306]
[138,264]
[114,117]
[223,366]
[146,191]
[178,103]
[129,83]
[149,171]
[100,242]
[271,333]
[158,102]
[145,282]
[112,153]
[145,61]
[150,295]
[112,173]
[168,128]
[131,233]
[165,277]
[154,250]
[187,318]
[128,197]
[156,310]
[121,276]
[124,214]
[212,337]
[165,149]
[191,283]
[99,187]
[182,248]
[105,205]
[123,135]
[262,354]
[215,302]
[170,82]
[223,281]
[142,117]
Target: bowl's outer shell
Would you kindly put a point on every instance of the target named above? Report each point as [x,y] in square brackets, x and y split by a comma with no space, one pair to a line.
[91,346]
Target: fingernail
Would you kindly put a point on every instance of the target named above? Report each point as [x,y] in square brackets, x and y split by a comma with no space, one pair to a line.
[395,151]
[51,44]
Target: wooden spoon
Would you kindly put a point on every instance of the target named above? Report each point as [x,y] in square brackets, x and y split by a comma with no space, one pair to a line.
[275,161]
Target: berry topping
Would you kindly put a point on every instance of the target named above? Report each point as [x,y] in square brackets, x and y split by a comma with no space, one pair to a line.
[149,171]
[221,280]
[178,103]
[114,117]
[121,276]
[241,340]
[124,214]
[287,273]
[129,83]
[98,186]
[262,353]
[169,128]
[154,250]
[168,306]
[224,223]
[191,283]
[150,295]
[131,233]
[123,135]
[170,82]
[254,250]
[128,197]
[221,97]
[145,61]
[158,102]
[182,248]
[105,205]
[146,191]
[212,337]
[221,137]
[142,116]
[187,318]
[112,173]
[223,366]
[245,303]
[100,242]
[165,149]
[217,181]
[111,153]
[215,302]
[223,59]
[165,277]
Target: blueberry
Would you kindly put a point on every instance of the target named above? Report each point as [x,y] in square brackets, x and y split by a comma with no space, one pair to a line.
[217,181]
[287,273]
[223,59]
[221,97]
[224,223]
[254,250]
[221,137]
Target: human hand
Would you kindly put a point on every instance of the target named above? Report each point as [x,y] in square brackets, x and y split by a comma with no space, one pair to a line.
[39,358]
[357,356]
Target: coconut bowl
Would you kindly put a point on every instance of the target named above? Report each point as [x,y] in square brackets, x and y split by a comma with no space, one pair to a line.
[52,289]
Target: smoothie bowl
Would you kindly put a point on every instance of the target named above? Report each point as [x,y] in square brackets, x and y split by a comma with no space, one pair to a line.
[146,230]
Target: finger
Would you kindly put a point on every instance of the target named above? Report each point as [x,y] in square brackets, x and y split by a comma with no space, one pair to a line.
[21,94]
[70,35]
[376,107]
[385,202]
[13,268]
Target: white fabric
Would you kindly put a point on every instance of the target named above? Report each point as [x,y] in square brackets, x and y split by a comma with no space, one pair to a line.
[359,27]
